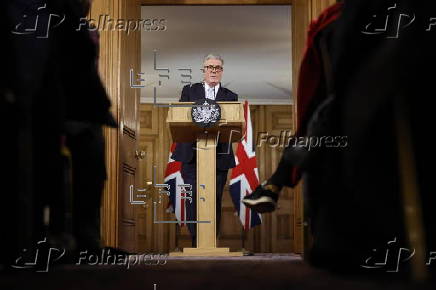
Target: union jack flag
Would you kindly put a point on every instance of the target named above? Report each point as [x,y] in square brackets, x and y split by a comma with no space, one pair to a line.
[245,176]
[173,177]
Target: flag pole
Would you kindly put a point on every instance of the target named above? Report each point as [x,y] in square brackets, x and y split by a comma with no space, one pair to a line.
[243,238]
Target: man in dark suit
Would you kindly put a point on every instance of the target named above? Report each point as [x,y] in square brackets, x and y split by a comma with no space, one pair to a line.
[210,88]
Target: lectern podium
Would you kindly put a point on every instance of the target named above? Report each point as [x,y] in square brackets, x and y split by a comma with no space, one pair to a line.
[229,128]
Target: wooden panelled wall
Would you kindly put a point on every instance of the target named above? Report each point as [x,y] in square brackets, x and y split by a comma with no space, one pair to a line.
[118,53]
[109,72]
[276,234]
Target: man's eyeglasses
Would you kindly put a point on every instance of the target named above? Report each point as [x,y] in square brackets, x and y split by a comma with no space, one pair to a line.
[210,68]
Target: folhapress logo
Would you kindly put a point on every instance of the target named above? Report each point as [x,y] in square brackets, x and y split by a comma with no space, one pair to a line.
[391,23]
[391,258]
[40,258]
[107,23]
[39,20]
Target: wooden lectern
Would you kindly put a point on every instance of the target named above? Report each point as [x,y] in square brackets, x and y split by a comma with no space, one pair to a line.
[229,128]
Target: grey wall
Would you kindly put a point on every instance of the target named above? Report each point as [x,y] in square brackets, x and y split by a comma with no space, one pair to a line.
[255,42]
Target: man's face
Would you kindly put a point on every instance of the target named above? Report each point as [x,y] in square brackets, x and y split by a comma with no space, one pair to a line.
[213,71]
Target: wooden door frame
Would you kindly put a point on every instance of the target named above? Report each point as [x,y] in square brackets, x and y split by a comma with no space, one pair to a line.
[302,12]
[300,16]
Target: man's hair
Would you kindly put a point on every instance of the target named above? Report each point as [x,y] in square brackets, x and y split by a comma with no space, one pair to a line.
[213,56]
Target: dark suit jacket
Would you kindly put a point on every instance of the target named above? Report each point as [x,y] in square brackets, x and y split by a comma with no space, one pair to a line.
[185,152]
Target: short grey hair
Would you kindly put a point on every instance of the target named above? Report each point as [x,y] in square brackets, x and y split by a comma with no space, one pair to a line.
[213,56]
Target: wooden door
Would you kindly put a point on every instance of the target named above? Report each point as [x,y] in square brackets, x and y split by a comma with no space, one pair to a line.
[119,52]
[129,209]
[132,227]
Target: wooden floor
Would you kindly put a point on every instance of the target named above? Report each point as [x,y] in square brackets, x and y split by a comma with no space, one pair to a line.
[260,271]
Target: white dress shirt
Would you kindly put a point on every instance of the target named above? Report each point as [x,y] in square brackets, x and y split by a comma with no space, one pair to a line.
[211,92]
